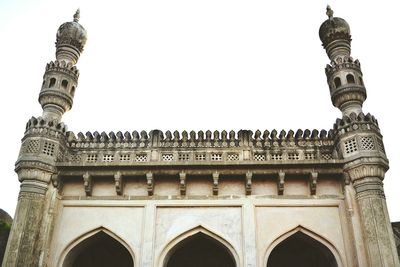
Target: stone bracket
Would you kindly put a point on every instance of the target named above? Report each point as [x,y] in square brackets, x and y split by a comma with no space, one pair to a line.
[249,176]
[182,183]
[313,182]
[118,183]
[215,176]
[56,181]
[281,182]
[150,183]
[87,183]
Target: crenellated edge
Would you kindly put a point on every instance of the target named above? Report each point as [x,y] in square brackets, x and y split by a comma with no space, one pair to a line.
[355,122]
[242,138]
[340,63]
[63,66]
[52,125]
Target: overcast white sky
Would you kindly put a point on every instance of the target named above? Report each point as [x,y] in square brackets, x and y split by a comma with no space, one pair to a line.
[197,65]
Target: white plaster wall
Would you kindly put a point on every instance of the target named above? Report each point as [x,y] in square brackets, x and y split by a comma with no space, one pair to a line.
[329,186]
[167,186]
[78,220]
[197,187]
[273,222]
[231,186]
[171,222]
[73,187]
[248,224]
[296,186]
[135,186]
[264,186]
[103,187]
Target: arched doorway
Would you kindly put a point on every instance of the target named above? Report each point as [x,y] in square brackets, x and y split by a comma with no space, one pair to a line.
[99,250]
[301,250]
[199,250]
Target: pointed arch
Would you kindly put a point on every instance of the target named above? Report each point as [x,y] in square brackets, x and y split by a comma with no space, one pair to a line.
[312,235]
[168,249]
[67,254]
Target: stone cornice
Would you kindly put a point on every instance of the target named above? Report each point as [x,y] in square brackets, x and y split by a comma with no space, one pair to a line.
[206,169]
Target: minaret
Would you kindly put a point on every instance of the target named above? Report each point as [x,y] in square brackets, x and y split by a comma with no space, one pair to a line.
[359,143]
[61,77]
[43,144]
[344,74]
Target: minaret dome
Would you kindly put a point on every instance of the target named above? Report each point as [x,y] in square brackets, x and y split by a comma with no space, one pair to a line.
[71,38]
[335,35]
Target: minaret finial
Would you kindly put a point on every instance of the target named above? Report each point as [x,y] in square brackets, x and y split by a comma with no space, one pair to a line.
[329,11]
[77,15]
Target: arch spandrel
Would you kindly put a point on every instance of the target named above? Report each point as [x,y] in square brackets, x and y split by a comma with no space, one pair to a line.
[63,260]
[314,236]
[171,244]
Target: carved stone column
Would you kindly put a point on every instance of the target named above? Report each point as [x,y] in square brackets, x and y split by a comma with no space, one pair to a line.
[23,245]
[42,146]
[378,235]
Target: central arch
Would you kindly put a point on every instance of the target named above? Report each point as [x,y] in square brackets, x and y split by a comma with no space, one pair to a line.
[198,248]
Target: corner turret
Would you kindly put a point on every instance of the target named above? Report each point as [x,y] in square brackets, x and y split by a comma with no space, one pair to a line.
[344,75]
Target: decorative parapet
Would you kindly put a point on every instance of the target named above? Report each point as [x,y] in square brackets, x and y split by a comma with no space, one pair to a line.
[41,126]
[63,67]
[355,122]
[358,135]
[341,63]
[42,145]
[156,146]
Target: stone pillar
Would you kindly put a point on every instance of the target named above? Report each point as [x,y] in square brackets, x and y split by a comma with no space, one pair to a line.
[42,146]
[359,143]
[23,247]
[370,197]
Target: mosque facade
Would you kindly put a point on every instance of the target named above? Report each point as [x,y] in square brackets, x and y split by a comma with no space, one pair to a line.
[226,199]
